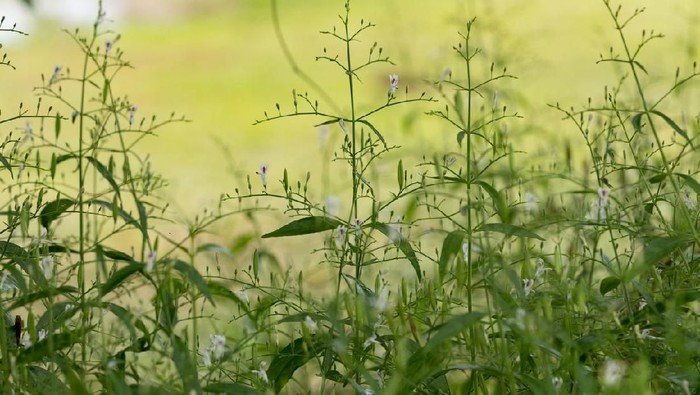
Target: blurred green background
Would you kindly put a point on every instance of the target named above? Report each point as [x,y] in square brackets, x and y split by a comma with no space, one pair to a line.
[219,63]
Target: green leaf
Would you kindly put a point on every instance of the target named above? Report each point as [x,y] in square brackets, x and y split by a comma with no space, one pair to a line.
[42,381]
[56,315]
[499,202]
[230,388]
[57,125]
[191,274]
[295,355]
[114,254]
[399,174]
[673,125]
[26,299]
[119,277]
[690,181]
[143,219]
[509,230]
[215,248]
[657,248]
[450,247]
[608,284]
[46,347]
[637,122]
[77,386]
[6,163]
[400,241]
[379,135]
[118,210]
[452,328]
[657,178]
[105,173]
[53,210]
[304,226]
[186,366]
[218,290]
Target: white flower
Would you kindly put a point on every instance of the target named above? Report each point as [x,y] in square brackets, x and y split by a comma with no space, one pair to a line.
[132,114]
[332,205]
[217,346]
[56,74]
[445,76]
[41,335]
[310,325]
[613,371]
[367,391]
[393,84]
[206,358]
[112,364]
[541,269]
[465,251]
[264,168]
[358,226]
[47,266]
[370,341]
[341,123]
[381,301]
[26,341]
[341,232]
[150,261]
[530,202]
[527,286]
[243,295]
[261,372]
[689,200]
[557,382]
[598,211]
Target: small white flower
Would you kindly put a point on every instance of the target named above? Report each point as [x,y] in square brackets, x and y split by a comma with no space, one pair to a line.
[55,75]
[262,374]
[206,358]
[393,84]
[358,226]
[530,202]
[395,232]
[367,391]
[340,234]
[541,269]
[243,295]
[108,47]
[41,335]
[264,168]
[613,371]
[528,283]
[150,261]
[341,123]
[689,200]
[26,341]
[47,266]
[332,205]
[112,364]
[381,301]
[599,207]
[445,76]
[603,194]
[310,325]
[465,251]
[370,341]
[132,114]
[557,382]
[217,346]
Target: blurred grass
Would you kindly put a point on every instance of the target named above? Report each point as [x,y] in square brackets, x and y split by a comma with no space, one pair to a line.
[223,69]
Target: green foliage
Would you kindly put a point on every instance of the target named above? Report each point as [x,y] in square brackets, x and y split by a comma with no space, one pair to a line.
[522,279]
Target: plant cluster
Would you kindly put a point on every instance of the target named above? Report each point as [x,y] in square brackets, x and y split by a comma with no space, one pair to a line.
[462,272]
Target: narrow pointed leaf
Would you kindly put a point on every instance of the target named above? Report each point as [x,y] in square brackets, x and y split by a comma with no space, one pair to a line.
[186,366]
[379,135]
[119,277]
[6,163]
[690,182]
[509,230]
[191,274]
[400,241]
[105,173]
[53,210]
[230,388]
[450,247]
[673,125]
[499,202]
[304,226]
[295,355]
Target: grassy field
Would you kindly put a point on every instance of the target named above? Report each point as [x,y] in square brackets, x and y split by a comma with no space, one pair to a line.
[222,70]
[530,224]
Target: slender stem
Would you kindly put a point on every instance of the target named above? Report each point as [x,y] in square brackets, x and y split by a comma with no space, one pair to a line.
[467,127]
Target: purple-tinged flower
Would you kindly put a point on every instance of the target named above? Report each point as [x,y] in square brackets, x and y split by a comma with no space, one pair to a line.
[528,283]
[310,325]
[150,261]
[264,168]
[340,235]
[393,84]
[262,374]
[108,47]
[343,127]
[132,114]
[55,75]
